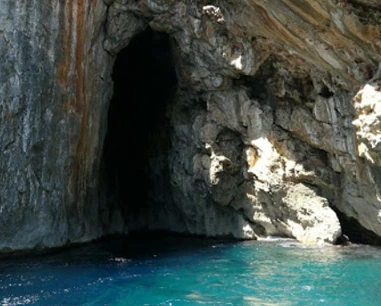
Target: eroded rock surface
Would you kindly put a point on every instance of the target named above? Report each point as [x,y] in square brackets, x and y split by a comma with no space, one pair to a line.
[273,125]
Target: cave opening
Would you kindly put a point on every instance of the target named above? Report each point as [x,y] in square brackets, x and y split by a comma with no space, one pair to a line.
[134,158]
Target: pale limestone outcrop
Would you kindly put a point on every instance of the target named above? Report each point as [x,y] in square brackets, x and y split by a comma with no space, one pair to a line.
[283,206]
[262,183]
[265,136]
[368,124]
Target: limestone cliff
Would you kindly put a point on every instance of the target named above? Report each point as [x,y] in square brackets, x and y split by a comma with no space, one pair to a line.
[269,126]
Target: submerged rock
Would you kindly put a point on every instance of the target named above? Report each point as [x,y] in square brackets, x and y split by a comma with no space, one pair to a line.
[270,124]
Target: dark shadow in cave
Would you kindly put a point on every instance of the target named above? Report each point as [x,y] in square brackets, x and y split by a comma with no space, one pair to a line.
[138,129]
[355,232]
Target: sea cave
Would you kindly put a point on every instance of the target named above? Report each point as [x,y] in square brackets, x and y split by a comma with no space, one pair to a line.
[138,131]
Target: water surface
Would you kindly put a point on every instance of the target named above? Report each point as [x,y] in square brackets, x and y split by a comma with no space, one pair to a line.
[190,271]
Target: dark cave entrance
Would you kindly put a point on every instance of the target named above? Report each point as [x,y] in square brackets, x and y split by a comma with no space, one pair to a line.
[137,140]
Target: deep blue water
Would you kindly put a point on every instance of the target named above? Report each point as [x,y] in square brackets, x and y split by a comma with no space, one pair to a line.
[189,271]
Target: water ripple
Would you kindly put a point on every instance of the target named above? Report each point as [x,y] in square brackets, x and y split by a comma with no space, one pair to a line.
[196,272]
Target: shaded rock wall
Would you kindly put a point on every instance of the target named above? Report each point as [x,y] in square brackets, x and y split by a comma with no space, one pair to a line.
[265,136]
[54,87]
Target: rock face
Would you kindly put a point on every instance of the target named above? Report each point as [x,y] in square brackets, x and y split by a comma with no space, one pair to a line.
[271,123]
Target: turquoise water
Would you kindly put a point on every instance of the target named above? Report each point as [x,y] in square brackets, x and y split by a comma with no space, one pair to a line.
[188,271]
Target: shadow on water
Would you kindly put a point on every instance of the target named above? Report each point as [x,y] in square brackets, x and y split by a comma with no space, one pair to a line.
[139,246]
[148,245]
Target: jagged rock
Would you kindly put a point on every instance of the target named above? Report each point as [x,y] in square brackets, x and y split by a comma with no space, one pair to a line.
[273,122]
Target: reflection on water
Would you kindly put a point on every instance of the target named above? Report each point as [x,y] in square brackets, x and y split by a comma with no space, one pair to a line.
[184,271]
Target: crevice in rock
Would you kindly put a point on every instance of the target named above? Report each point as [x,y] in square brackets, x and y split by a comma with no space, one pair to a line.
[325,92]
[257,84]
[134,162]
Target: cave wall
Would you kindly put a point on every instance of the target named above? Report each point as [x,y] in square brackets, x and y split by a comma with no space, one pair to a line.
[266,135]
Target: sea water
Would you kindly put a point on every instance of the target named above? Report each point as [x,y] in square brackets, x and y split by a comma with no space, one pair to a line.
[190,271]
